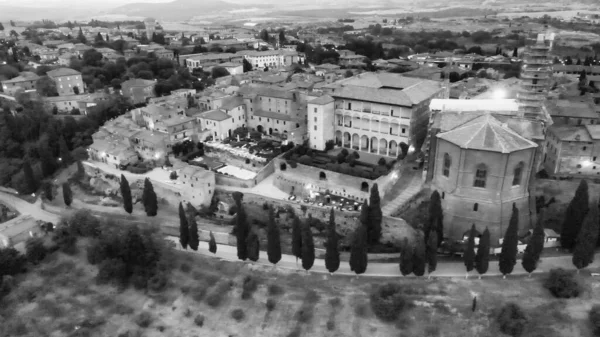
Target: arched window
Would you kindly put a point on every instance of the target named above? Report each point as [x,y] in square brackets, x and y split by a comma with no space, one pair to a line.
[480,176]
[447,163]
[517,174]
[475,207]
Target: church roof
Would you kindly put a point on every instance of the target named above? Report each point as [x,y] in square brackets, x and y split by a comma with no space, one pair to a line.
[488,134]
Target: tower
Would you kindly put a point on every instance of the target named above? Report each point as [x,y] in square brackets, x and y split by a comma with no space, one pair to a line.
[536,77]
[150,24]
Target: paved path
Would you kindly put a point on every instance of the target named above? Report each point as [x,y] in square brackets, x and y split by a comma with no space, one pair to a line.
[25,208]
[414,187]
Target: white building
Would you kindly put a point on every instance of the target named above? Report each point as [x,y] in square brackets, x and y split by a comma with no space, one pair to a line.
[321,121]
[272,58]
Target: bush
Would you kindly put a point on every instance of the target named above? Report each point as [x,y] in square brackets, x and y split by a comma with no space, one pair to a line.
[173,175]
[238,314]
[335,302]
[381,162]
[594,318]
[158,282]
[361,310]
[305,314]
[185,268]
[330,325]
[295,332]
[562,284]
[199,320]
[249,287]
[387,302]
[198,293]
[311,297]
[144,319]
[35,250]
[275,290]
[216,296]
[270,304]
[511,319]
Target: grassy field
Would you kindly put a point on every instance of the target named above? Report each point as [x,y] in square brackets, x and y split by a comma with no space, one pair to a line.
[60,298]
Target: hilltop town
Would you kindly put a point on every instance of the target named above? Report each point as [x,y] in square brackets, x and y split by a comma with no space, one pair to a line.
[384,146]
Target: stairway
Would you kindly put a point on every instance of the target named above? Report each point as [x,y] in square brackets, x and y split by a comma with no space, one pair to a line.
[410,191]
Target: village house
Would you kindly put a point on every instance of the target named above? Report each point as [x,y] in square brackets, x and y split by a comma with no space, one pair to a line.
[25,81]
[138,90]
[67,80]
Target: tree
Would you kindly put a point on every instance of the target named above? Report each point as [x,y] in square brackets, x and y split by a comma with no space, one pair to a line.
[149,198]
[76,90]
[436,217]
[332,255]
[126,194]
[534,247]
[194,240]
[419,254]
[375,216]
[273,239]
[574,215]
[482,259]
[308,247]
[67,194]
[1,26]
[296,238]
[217,72]
[80,37]
[469,255]
[184,233]
[46,87]
[585,246]
[432,246]
[253,246]
[47,161]
[98,38]
[358,250]
[30,182]
[35,250]
[65,154]
[406,258]
[515,52]
[247,65]
[281,36]
[241,227]
[264,35]
[508,253]
[212,244]
[12,23]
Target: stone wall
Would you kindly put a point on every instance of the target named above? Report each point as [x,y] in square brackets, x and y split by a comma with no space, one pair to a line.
[245,183]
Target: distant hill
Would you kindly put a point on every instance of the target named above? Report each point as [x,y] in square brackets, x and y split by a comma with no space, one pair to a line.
[176,10]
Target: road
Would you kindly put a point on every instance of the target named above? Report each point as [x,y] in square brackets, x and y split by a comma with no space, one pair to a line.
[25,208]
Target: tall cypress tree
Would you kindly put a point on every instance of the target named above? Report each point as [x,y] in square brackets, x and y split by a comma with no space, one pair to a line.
[332,255]
[30,182]
[375,216]
[364,214]
[67,194]
[273,239]
[194,240]
[149,198]
[212,244]
[534,247]
[47,161]
[308,247]
[575,213]
[406,258]
[419,257]
[126,194]
[469,256]
[436,217]
[65,154]
[184,233]
[432,246]
[253,245]
[482,259]
[358,251]
[296,237]
[508,254]
[583,254]
[241,227]
[81,37]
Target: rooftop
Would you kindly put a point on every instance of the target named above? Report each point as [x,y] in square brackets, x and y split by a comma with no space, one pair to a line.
[138,82]
[63,72]
[461,105]
[571,108]
[488,134]
[191,171]
[23,76]
[271,114]
[325,99]
[215,115]
[571,133]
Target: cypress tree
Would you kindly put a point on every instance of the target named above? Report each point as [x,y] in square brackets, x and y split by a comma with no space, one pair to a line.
[419,257]
[482,259]
[375,216]
[364,213]
[332,255]
[406,258]
[583,254]
[149,199]
[534,247]
[194,240]
[65,154]
[253,245]
[515,52]
[575,213]
[436,217]
[212,244]
[241,227]
[508,254]
[469,256]
[432,246]
[67,194]
[184,233]
[296,238]
[30,183]
[308,248]
[47,161]
[126,194]
[273,239]
[358,251]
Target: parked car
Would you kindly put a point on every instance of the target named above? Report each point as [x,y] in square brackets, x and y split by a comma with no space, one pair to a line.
[292,197]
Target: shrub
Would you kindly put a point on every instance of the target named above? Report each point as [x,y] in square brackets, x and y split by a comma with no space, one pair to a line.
[216,296]
[144,319]
[511,319]
[293,163]
[305,314]
[185,268]
[361,310]
[35,250]
[173,175]
[275,290]
[432,331]
[295,332]
[594,318]
[249,286]
[238,314]
[158,282]
[270,304]
[311,297]
[335,302]
[562,284]
[199,320]
[330,325]
[387,302]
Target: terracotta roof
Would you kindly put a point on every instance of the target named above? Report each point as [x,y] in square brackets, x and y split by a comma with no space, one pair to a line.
[488,134]
[232,102]
[190,171]
[63,72]
[138,82]
[23,76]
[570,108]
[462,105]
[593,130]
[215,115]
[325,99]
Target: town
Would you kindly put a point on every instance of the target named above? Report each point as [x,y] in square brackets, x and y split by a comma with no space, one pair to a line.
[412,174]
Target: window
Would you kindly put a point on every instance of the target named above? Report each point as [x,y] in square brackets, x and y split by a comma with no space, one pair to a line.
[475,207]
[403,130]
[315,109]
[315,128]
[349,106]
[480,176]
[443,195]
[315,119]
[517,174]
[447,163]
[584,148]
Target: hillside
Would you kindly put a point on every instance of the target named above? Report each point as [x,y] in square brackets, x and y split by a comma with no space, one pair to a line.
[176,10]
